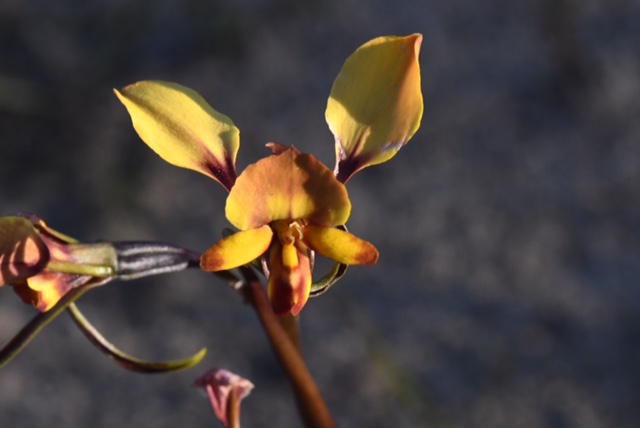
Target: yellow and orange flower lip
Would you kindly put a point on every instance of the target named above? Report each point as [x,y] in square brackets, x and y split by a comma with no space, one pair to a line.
[287,186]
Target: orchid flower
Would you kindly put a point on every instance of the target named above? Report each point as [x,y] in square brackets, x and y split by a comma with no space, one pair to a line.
[43,265]
[288,205]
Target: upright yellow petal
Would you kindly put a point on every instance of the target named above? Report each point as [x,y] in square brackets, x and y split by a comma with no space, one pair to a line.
[237,250]
[375,105]
[287,186]
[179,125]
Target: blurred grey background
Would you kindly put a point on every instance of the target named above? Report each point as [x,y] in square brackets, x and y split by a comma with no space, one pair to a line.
[509,228]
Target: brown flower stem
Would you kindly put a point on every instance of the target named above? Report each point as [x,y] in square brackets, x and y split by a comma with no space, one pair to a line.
[290,325]
[311,405]
[233,410]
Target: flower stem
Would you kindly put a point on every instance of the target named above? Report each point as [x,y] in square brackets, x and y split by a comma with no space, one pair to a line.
[290,325]
[233,410]
[311,405]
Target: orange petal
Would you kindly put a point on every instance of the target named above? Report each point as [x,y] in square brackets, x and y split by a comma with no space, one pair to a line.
[375,105]
[22,251]
[340,246]
[183,129]
[45,290]
[289,185]
[289,287]
[237,250]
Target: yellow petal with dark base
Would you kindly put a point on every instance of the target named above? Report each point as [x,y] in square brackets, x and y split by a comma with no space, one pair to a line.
[340,246]
[22,251]
[179,125]
[237,250]
[375,105]
[287,186]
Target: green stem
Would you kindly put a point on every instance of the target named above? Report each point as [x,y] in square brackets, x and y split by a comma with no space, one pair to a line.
[127,361]
[40,321]
[80,269]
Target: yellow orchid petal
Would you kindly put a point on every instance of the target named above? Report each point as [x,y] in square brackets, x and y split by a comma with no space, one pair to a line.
[22,251]
[289,287]
[340,246]
[375,105]
[237,250]
[289,185]
[179,125]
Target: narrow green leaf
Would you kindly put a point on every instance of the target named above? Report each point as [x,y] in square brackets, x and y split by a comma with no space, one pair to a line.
[127,361]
